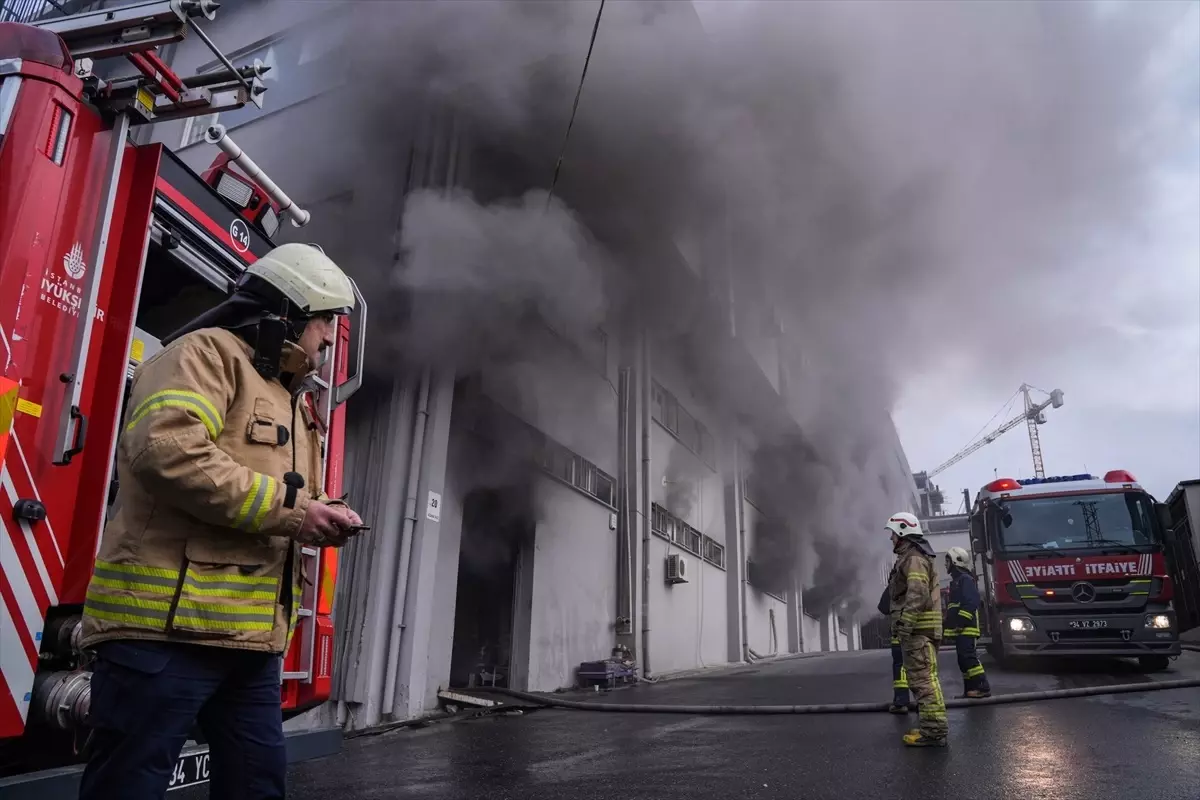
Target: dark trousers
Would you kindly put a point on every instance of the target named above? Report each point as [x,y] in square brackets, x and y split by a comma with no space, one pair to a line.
[899,676]
[974,678]
[146,697]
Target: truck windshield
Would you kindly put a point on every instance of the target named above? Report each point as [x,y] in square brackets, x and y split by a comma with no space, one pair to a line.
[1073,523]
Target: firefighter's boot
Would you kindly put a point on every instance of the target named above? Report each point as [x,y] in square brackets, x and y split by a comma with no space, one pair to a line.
[898,708]
[915,738]
[977,694]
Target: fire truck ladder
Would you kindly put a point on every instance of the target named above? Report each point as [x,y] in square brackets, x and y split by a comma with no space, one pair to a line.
[157,93]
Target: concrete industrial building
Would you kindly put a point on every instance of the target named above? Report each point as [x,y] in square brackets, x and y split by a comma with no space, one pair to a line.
[533,514]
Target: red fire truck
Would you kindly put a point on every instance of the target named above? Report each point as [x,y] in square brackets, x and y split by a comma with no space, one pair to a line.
[1074,566]
[105,247]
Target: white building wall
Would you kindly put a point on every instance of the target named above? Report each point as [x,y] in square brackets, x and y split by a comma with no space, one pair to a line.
[761,606]
[574,585]
[688,621]
[814,633]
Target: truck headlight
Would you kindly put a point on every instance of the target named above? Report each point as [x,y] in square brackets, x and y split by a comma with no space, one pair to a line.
[1020,624]
[1159,621]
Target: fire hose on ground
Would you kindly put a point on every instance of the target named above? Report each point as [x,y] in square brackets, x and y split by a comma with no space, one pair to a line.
[843,708]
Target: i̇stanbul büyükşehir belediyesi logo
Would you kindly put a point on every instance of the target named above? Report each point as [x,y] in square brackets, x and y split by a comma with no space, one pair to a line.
[73,262]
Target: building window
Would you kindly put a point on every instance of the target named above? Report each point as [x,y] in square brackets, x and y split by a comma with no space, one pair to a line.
[304,63]
[811,615]
[691,432]
[666,525]
[841,624]
[756,578]
[194,128]
[714,552]
[551,457]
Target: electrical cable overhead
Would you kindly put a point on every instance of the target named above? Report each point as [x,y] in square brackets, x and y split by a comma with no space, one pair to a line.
[574,106]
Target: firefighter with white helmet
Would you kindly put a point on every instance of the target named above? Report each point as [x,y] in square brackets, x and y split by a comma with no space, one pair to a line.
[916,616]
[197,584]
[962,622]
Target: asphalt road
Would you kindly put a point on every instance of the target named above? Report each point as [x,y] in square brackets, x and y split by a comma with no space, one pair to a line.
[1121,746]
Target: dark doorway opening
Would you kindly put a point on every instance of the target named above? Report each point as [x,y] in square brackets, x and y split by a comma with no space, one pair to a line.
[497,525]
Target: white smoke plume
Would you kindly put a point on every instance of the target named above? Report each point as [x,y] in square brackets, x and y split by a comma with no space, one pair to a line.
[891,178]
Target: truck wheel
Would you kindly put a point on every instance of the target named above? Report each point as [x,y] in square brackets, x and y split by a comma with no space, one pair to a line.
[1153,663]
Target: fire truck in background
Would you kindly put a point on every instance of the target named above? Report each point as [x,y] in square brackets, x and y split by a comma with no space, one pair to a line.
[1075,566]
[105,247]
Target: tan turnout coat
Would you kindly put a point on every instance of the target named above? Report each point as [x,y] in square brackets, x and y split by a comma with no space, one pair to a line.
[200,546]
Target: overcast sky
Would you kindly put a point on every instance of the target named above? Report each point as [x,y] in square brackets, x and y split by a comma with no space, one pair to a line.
[1128,352]
[1132,392]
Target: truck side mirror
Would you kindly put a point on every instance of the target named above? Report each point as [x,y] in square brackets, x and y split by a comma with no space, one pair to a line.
[1165,520]
[978,545]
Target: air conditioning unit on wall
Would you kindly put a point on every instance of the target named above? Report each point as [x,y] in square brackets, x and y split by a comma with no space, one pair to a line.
[676,569]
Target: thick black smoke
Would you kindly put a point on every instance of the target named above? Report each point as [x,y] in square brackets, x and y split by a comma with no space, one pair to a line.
[883,182]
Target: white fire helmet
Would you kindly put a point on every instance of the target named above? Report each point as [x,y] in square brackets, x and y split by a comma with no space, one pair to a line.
[903,524]
[959,557]
[307,277]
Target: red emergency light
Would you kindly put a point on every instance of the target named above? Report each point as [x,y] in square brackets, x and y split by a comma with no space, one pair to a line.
[34,44]
[1119,476]
[1002,485]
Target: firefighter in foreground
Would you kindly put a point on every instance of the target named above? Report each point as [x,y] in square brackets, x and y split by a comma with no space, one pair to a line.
[196,587]
[916,616]
[899,703]
[962,622]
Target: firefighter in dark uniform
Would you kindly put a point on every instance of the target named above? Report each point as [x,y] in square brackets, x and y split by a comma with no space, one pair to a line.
[899,676]
[962,622]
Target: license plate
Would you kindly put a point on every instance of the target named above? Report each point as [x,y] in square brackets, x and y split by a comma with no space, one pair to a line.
[191,769]
[1088,623]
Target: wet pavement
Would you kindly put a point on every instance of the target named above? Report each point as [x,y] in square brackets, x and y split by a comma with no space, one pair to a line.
[1131,745]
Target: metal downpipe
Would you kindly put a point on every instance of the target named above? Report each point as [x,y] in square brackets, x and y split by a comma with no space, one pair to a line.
[644,414]
[396,629]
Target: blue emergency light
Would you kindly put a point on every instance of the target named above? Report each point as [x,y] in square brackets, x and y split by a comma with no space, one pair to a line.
[1057,479]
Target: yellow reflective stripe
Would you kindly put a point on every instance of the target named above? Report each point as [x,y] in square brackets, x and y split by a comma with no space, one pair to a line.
[969,632]
[132,569]
[920,577]
[203,623]
[226,609]
[966,614]
[230,594]
[194,402]
[1024,585]
[1137,593]
[266,504]
[1140,580]
[132,586]
[974,671]
[248,580]
[257,503]
[126,609]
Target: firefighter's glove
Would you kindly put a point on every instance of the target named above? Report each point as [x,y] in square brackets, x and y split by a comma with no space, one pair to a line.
[327,526]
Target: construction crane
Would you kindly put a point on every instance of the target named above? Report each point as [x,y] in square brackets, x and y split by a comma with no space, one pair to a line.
[1033,415]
